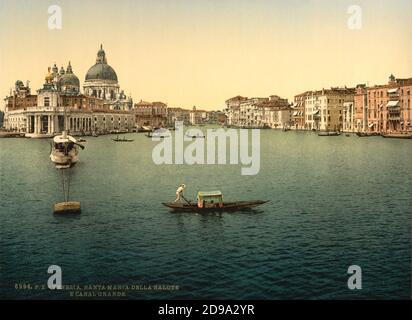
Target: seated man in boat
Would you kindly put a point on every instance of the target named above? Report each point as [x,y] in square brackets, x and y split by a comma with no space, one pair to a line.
[179,192]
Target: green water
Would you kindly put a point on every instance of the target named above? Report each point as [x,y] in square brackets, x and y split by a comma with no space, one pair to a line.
[335,202]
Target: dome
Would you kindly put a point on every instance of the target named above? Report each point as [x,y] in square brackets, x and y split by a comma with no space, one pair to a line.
[101,71]
[69,79]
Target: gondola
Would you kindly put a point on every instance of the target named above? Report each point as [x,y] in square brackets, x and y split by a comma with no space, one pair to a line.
[212,201]
[227,206]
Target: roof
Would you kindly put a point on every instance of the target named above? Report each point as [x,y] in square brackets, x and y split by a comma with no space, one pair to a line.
[64,139]
[101,71]
[209,193]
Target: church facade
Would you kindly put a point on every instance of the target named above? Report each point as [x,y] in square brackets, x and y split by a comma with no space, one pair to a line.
[59,105]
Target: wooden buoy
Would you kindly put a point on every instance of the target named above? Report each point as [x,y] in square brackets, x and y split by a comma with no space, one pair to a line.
[67,207]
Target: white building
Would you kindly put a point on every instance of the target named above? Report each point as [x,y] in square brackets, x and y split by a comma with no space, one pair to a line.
[59,106]
[324,108]
[348,117]
[101,82]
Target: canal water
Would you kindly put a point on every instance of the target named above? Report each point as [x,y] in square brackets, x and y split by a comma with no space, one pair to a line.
[334,202]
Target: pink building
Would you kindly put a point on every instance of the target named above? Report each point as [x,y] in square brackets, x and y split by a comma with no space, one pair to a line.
[389,106]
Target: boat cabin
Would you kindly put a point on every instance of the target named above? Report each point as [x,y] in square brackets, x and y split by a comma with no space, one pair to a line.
[210,199]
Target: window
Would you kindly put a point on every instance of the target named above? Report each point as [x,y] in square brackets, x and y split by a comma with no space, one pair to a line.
[46,101]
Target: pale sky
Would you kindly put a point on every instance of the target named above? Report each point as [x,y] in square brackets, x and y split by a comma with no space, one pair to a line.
[202,52]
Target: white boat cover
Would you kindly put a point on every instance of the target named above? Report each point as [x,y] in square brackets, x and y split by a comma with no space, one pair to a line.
[64,138]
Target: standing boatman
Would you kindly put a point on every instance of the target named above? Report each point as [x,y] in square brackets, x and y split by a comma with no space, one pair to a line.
[179,192]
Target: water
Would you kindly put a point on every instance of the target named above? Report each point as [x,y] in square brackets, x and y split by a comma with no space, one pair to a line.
[335,202]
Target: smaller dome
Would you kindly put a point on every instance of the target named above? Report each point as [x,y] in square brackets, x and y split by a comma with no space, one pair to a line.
[69,79]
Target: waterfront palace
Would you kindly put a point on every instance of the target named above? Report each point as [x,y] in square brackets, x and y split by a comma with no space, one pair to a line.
[380,109]
[59,105]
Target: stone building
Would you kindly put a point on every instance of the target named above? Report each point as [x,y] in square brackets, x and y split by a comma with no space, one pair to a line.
[178,114]
[59,105]
[389,106]
[197,116]
[232,110]
[324,108]
[101,82]
[150,113]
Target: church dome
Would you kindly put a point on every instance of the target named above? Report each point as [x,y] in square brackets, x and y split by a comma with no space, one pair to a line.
[68,78]
[101,70]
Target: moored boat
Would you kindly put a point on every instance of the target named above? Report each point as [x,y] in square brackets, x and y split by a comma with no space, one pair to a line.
[364,134]
[65,152]
[117,139]
[328,134]
[397,136]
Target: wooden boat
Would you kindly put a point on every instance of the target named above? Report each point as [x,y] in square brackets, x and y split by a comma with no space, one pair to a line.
[227,206]
[210,201]
[122,140]
[157,135]
[397,136]
[328,134]
[195,136]
[364,134]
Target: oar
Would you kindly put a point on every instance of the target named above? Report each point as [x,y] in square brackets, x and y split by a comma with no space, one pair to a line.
[78,144]
[186,200]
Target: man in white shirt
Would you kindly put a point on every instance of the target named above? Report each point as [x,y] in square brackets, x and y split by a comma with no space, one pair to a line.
[179,192]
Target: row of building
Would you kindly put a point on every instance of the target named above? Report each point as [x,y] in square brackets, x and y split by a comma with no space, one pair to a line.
[158,114]
[379,108]
[102,107]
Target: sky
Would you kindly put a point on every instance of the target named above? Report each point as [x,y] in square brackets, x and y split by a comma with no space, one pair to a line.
[202,52]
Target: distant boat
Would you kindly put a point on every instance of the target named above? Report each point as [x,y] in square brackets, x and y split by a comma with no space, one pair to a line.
[158,133]
[117,139]
[65,152]
[328,134]
[364,134]
[212,201]
[397,136]
[194,136]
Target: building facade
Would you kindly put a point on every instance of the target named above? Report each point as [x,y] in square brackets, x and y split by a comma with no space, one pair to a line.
[101,82]
[324,108]
[59,105]
[150,113]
